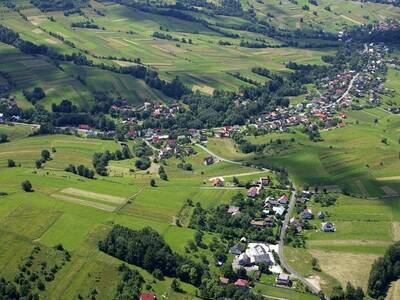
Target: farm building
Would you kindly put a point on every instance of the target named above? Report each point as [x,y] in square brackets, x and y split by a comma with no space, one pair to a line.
[283,279]
[328,227]
[208,160]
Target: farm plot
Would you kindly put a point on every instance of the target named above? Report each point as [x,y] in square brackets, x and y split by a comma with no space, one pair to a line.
[95,200]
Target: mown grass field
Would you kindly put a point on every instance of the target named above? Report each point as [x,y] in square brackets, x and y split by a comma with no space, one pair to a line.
[353,158]
[62,82]
[342,13]
[127,33]
[43,218]
[364,230]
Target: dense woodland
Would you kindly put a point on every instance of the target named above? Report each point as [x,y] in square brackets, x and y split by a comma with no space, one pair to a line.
[147,249]
[385,270]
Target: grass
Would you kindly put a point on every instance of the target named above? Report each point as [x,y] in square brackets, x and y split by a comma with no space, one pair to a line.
[27,219]
[352,157]
[15,132]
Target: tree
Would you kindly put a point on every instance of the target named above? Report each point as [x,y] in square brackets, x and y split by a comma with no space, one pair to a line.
[38,163]
[11,163]
[45,154]
[152,182]
[3,138]
[198,237]
[40,285]
[26,186]
[164,176]
[175,285]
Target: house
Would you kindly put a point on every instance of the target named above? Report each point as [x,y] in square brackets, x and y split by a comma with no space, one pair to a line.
[258,253]
[208,160]
[218,182]
[328,227]
[264,181]
[242,283]
[236,249]
[233,210]
[306,214]
[84,127]
[283,279]
[258,223]
[278,210]
[224,280]
[283,200]
[321,215]
[132,133]
[244,260]
[269,221]
[306,194]
[253,192]
[171,143]
[147,296]
[189,151]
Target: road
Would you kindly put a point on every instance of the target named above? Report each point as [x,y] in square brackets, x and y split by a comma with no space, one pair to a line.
[224,159]
[283,263]
[285,224]
[216,156]
[348,88]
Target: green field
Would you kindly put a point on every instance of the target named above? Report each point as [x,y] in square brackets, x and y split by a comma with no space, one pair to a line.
[72,210]
[352,158]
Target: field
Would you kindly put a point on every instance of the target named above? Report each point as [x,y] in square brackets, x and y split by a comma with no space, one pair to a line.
[77,212]
[62,82]
[352,158]
[202,64]
[341,14]
[365,228]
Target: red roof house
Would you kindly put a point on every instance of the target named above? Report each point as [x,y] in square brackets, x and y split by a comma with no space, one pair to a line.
[242,283]
[148,296]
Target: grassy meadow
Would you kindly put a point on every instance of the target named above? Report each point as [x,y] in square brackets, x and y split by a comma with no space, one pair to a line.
[77,212]
[352,158]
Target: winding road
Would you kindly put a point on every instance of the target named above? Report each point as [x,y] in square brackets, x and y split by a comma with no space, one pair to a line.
[314,289]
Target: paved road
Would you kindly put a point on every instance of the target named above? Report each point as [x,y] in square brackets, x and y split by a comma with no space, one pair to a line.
[216,156]
[283,263]
[224,159]
[348,88]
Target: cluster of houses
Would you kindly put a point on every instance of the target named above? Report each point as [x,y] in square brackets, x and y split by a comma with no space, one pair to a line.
[250,257]
[307,214]
[333,95]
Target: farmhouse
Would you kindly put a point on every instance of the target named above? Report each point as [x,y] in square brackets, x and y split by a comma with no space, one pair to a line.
[253,192]
[278,210]
[244,260]
[224,280]
[242,283]
[258,223]
[328,227]
[264,181]
[306,214]
[283,200]
[208,160]
[259,253]
[236,249]
[218,182]
[283,279]
[147,296]
[233,210]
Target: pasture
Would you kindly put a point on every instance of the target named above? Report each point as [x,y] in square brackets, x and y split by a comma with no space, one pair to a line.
[352,158]
[77,212]
[203,64]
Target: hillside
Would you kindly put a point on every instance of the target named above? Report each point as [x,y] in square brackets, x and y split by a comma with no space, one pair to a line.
[199,149]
